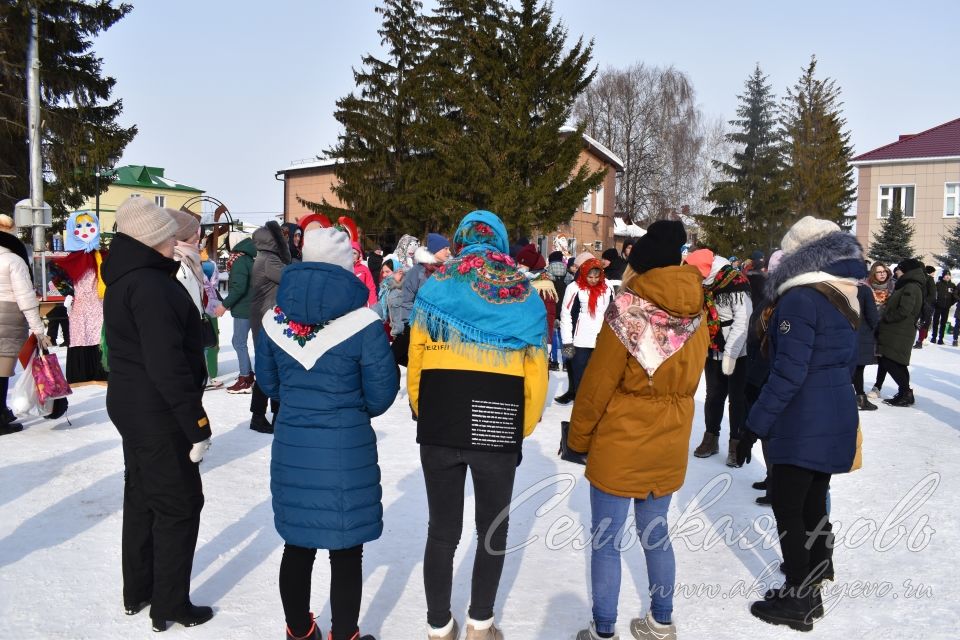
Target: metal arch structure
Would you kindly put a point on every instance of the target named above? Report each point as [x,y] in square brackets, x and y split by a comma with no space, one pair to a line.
[220,226]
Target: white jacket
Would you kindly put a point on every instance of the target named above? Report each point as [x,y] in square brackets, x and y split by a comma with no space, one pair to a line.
[584,335]
[736,311]
[16,286]
[193,286]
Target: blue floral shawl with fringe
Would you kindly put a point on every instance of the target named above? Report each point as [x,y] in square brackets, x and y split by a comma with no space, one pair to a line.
[480,300]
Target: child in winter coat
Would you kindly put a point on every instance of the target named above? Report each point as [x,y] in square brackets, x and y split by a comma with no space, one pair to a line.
[361,271]
[633,419]
[727,301]
[211,283]
[326,358]
[477,378]
[581,316]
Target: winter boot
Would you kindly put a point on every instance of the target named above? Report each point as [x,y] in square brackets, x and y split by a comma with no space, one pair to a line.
[190,616]
[874,393]
[760,486]
[649,629]
[355,636]
[918,345]
[902,399]
[864,404]
[790,606]
[764,500]
[554,366]
[940,341]
[708,447]
[260,424]
[6,428]
[954,342]
[450,632]
[566,398]
[590,633]
[732,453]
[312,634]
[816,599]
[134,609]
[482,630]
[244,384]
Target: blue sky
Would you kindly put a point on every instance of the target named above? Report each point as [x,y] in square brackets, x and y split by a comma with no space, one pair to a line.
[226,93]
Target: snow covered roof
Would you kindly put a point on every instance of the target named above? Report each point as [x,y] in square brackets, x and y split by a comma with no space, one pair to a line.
[136,175]
[300,165]
[598,149]
[623,230]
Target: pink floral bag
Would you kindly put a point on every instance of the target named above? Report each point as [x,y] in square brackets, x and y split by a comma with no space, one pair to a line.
[48,376]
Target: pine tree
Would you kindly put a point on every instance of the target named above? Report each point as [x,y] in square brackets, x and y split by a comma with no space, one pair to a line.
[817,150]
[751,210]
[78,115]
[504,84]
[951,243]
[894,240]
[385,171]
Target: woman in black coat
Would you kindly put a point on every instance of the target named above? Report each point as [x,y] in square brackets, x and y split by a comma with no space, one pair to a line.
[867,340]
[157,375]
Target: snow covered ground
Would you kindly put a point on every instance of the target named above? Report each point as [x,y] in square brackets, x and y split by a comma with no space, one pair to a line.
[60,499]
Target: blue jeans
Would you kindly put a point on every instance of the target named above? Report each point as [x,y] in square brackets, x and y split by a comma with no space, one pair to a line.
[609,514]
[577,366]
[241,331]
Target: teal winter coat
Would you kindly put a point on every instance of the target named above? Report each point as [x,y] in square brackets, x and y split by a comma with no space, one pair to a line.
[324,475]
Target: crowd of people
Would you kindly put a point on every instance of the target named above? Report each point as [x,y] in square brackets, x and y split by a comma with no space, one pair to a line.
[478,323]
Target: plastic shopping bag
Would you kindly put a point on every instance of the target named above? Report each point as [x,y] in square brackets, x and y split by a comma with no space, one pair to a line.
[23,396]
[48,376]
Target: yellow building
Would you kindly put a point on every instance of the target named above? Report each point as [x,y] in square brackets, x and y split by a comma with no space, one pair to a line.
[139,180]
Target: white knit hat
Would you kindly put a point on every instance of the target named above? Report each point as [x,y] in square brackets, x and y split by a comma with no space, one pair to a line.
[805,230]
[144,221]
[331,246]
[187,223]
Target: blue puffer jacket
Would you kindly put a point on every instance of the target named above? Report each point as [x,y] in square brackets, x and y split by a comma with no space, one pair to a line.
[807,411]
[323,473]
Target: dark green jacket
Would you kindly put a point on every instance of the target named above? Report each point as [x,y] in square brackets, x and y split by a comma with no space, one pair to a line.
[240,293]
[898,325]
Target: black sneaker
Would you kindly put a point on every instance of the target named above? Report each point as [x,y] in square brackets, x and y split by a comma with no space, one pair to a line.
[260,424]
[904,399]
[191,616]
[940,341]
[918,345]
[554,366]
[566,398]
[764,500]
[760,486]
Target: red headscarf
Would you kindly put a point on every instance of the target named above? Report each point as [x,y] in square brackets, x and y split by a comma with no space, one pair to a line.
[595,291]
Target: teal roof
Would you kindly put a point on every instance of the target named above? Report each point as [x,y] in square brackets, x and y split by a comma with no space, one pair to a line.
[147,177]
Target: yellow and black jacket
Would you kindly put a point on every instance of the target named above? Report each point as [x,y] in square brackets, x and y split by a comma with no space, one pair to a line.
[469,399]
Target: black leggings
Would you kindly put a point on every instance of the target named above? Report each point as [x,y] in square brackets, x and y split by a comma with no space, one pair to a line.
[445,471]
[721,388]
[4,389]
[881,373]
[799,500]
[258,402]
[899,372]
[858,379]
[940,317]
[346,588]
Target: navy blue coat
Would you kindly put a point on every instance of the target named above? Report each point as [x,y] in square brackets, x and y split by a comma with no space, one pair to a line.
[324,475]
[807,411]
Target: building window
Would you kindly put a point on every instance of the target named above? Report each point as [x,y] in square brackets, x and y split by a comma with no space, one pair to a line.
[901,194]
[951,200]
[160,200]
[600,200]
[588,203]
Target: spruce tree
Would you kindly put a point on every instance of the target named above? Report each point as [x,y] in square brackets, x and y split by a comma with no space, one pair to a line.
[504,83]
[894,240]
[750,210]
[79,118]
[817,150]
[384,173]
[951,243]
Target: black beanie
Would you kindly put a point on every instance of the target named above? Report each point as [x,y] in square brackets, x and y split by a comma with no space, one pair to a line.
[662,246]
[909,264]
[556,256]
